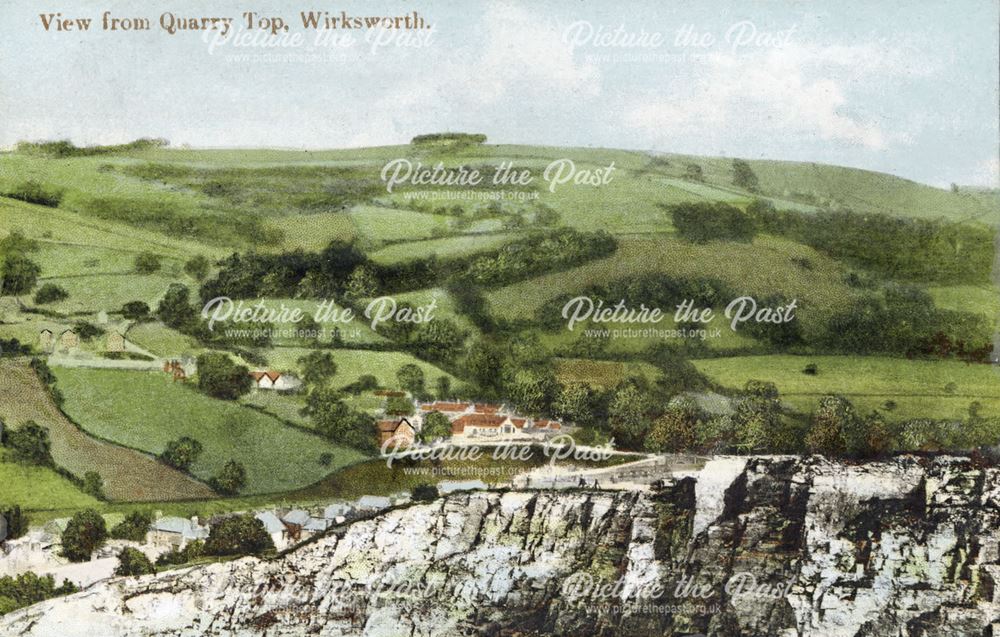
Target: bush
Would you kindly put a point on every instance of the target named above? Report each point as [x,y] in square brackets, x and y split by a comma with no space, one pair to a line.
[30,443]
[704,221]
[192,551]
[28,588]
[147,262]
[220,377]
[181,453]
[50,293]
[197,267]
[231,479]
[133,563]
[425,492]
[238,535]
[93,485]
[85,532]
[134,527]
[135,311]
[16,523]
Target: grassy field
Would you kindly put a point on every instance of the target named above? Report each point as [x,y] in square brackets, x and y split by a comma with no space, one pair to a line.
[145,410]
[39,488]
[380,225]
[444,248]
[313,232]
[162,340]
[601,374]
[920,389]
[766,266]
[354,363]
[127,474]
[968,298]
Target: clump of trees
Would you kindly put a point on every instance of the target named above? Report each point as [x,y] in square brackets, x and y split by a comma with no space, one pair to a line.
[231,478]
[85,532]
[181,453]
[29,443]
[134,527]
[28,588]
[133,563]
[705,221]
[220,377]
[50,293]
[238,535]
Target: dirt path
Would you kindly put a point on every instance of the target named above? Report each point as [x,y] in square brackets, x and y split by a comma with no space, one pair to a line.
[128,474]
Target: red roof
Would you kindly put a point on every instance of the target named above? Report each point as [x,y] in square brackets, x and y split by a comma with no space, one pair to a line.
[272,375]
[486,409]
[443,406]
[389,426]
[518,422]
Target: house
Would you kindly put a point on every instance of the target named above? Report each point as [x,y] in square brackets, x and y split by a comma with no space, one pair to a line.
[46,340]
[270,379]
[337,513]
[295,522]
[481,408]
[370,503]
[488,427]
[396,432]
[69,340]
[116,342]
[175,532]
[274,527]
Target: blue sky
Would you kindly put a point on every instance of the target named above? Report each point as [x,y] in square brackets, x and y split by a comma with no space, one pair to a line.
[909,88]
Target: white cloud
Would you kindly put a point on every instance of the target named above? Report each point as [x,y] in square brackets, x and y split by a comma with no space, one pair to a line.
[795,92]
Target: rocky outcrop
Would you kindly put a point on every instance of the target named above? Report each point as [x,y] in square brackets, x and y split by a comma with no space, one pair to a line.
[763,546]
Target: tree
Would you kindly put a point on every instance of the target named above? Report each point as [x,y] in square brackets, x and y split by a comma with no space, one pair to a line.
[18,275]
[85,532]
[425,493]
[238,535]
[693,172]
[134,527]
[197,267]
[133,563]
[744,176]
[28,588]
[220,377]
[532,391]
[677,429]
[574,403]
[50,293]
[181,453]
[317,368]
[147,263]
[93,485]
[411,378]
[30,443]
[627,415]
[175,307]
[758,422]
[436,425]
[830,424]
[338,422]
[440,339]
[442,387]
[361,284]
[135,311]
[16,522]
[231,480]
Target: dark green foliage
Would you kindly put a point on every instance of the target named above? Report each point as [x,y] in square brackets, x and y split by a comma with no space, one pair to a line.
[87,331]
[238,535]
[85,532]
[744,176]
[411,378]
[220,377]
[181,453]
[16,522]
[436,425]
[65,148]
[701,222]
[693,172]
[338,422]
[197,267]
[18,274]
[231,479]
[458,139]
[135,310]
[50,293]
[93,485]
[676,430]
[28,588]
[425,492]
[175,307]
[133,563]
[317,367]
[147,262]
[30,443]
[134,527]
[192,551]
[36,193]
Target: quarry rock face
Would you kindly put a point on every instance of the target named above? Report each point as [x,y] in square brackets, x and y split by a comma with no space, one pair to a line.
[750,546]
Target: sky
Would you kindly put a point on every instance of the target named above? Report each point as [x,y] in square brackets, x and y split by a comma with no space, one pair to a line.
[906,87]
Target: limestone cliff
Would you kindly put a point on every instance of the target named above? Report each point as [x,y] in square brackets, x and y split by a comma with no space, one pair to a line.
[759,546]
